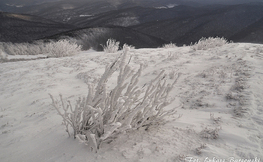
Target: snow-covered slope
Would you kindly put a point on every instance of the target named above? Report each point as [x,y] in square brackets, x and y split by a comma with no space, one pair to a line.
[221,90]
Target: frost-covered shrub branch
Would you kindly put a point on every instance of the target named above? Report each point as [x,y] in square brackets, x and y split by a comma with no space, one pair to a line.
[105,113]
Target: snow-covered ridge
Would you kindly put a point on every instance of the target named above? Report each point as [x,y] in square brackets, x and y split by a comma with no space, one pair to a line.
[85,15]
[220,88]
[13,5]
[167,6]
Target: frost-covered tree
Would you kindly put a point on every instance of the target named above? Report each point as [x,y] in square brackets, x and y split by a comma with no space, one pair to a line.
[105,113]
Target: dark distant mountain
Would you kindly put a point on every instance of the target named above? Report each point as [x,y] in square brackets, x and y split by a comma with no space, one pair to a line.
[67,10]
[23,28]
[125,2]
[232,22]
[184,24]
[135,21]
[226,2]
[25,2]
[253,33]
[97,36]
[16,5]
[137,15]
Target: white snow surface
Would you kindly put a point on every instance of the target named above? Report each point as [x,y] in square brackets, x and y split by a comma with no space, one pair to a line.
[224,82]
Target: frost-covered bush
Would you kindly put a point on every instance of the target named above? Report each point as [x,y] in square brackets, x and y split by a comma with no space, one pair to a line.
[105,113]
[170,45]
[53,49]
[62,48]
[24,48]
[111,46]
[206,43]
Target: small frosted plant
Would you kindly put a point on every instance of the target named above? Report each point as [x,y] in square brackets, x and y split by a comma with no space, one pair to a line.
[198,150]
[214,119]
[170,45]
[3,56]
[105,113]
[259,50]
[112,46]
[210,133]
[130,47]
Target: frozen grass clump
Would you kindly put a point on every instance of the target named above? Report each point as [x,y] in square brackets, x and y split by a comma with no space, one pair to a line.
[105,113]
[206,43]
